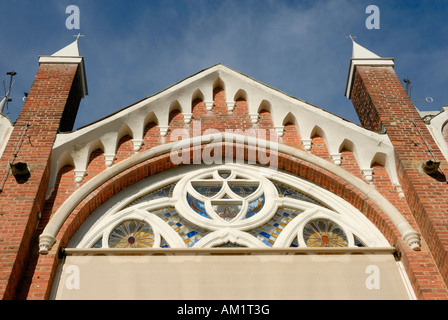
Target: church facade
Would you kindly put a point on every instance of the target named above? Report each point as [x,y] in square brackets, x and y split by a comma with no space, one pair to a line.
[221,187]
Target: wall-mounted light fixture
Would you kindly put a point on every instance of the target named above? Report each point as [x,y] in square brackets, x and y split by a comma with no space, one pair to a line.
[20,171]
[430,167]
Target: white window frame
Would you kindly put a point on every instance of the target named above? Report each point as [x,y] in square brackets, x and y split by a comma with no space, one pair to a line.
[114,211]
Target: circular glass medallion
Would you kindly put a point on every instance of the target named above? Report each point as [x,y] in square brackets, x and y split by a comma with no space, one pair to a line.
[324,233]
[132,234]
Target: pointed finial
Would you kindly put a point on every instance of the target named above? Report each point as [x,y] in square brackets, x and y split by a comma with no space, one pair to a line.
[351,37]
[77,36]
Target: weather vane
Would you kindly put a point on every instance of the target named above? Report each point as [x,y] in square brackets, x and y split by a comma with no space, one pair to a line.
[7,98]
[77,36]
[351,37]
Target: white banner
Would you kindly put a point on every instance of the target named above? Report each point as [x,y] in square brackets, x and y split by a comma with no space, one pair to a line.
[233,277]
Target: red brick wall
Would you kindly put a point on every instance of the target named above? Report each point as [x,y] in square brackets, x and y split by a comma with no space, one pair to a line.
[422,269]
[52,92]
[379,89]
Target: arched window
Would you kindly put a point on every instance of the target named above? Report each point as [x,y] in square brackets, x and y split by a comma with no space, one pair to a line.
[228,232]
[231,205]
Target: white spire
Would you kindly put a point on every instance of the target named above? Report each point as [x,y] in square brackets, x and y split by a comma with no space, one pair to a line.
[360,52]
[71,50]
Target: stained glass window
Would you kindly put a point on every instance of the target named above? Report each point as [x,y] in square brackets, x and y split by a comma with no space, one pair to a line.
[188,232]
[132,234]
[324,233]
[243,190]
[255,207]
[164,192]
[269,232]
[224,173]
[207,191]
[197,206]
[288,192]
[239,203]
[358,242]
[227,210]
[295,243]
[163,243]
[230,245]
[99,243]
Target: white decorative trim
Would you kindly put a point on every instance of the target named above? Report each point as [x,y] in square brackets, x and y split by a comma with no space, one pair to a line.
[366,145]
[109,159]
[399,190]
[209,105]
[79,175]
[46,242]
[336,158]
[368,174]
[348,218]
[280,130]
[307,143]
[254,117]
[187,117]
[436,126]
[137,144]
[70,204]
[163,130]
[412,239]
[266,188]
[232,235]
[230,105]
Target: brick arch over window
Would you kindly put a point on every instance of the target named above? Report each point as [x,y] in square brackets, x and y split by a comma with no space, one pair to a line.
[156,163]
[286,163]
[342,187]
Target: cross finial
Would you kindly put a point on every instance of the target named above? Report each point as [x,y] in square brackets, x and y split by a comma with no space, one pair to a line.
[77,36]
[351,37]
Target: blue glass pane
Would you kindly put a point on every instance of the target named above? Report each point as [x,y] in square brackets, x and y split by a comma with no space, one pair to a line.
[255,207]
[287,192]
[164,192]
[358,242]
[188,232]
[294,243]
[224,174]
[197,206]
[269,232]
[99,244]
[243,191]
[164,244]
[207,191]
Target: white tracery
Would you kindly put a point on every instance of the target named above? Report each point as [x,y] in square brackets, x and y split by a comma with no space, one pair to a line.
[278,220]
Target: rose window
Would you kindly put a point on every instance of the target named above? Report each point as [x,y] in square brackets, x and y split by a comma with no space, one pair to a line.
[132,234]
[324,233]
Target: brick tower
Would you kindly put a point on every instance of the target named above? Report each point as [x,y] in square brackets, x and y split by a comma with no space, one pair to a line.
[51,107]
[383,105]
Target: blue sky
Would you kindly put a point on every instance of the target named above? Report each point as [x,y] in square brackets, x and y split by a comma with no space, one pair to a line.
[136,48]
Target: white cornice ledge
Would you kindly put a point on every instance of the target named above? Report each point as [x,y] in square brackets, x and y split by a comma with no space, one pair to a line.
[69,60]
